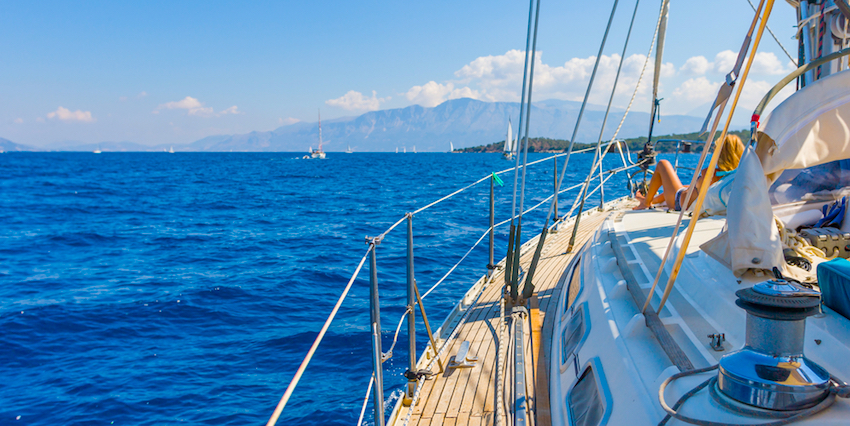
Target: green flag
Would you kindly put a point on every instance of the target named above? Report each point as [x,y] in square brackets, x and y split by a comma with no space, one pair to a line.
[498,180]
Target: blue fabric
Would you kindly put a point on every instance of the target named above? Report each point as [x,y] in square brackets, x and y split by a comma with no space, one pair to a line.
[833,215]
[834,282]
[677,204]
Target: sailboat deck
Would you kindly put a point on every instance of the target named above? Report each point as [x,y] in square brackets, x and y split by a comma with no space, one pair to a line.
[466,396]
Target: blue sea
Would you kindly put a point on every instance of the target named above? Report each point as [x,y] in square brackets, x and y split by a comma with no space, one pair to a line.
[154,288]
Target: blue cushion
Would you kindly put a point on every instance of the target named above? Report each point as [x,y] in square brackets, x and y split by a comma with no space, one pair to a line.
[834,282]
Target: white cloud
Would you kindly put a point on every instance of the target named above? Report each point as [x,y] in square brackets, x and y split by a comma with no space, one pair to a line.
[724,62]
[231,110]
[697,90]
[432,93]
[122,99]
[287,121]
[763,63]
[190,104]
[19,121]
[355,101]
[768,63]
[696,65]
[195,107]
[67,115]
[142,94]
[499,78]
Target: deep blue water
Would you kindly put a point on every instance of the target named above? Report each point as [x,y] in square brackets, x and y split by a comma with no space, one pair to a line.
[150,288]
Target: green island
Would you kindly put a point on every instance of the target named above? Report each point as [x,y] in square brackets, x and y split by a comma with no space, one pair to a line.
[634,144]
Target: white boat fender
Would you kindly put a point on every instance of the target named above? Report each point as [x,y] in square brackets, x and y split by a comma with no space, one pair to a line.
[803,218]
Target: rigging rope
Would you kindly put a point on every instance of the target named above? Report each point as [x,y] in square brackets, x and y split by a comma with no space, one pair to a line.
[516,238]
[596,153]
[500,367]
[713,163]
[720,104]
[366,400]
[793,61]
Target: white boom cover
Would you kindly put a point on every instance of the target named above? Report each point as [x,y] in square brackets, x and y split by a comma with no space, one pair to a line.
[811,127]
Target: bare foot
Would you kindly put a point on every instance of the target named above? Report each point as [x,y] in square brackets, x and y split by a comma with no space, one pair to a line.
[641,200]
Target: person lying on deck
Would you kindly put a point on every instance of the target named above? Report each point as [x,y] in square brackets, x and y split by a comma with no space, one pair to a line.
[665,178]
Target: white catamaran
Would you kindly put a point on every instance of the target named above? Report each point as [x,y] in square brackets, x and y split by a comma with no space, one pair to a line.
[730,309]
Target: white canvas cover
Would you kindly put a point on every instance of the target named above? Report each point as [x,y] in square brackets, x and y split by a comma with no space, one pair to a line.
[811,127]
[748,241]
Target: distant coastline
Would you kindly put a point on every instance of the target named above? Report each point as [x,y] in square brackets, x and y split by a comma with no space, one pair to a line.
[561,145]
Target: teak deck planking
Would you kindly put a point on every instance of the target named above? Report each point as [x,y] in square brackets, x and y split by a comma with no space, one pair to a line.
[461,396]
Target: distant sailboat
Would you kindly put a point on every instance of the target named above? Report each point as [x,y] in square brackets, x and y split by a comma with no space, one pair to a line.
[171,150]
[97,151]
[318,153]
[451,147]
[405,150]
[396,150]
[349,151]
[414,149]
[509,143]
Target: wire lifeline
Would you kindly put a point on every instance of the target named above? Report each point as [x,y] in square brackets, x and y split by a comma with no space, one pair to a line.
[473,184]
[485,234]
[289,389]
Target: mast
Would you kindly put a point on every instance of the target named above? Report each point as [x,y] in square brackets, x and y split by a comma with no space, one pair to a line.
[647,156]
[320,130]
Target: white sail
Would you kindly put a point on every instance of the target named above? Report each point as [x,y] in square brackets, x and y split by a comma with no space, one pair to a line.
[451,147]
[509,142]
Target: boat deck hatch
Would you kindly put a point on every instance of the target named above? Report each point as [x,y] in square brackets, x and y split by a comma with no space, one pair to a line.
[585,401]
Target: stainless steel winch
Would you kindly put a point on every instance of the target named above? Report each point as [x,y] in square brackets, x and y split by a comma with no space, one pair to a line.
[771,371]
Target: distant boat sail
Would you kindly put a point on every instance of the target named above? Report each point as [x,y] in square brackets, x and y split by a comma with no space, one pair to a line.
[97,151]
[451,147]
[318,153]
[509,143]
[171,150]
[349,151]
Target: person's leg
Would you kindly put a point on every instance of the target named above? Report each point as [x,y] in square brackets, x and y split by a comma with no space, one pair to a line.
[649,199]
[664,177]
[669,181]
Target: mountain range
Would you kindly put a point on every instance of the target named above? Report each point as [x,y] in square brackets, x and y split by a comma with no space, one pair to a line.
[464,122]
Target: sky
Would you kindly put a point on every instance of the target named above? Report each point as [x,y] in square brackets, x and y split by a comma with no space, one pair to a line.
[175,72]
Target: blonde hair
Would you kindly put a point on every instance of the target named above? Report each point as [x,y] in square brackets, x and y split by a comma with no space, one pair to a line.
[731,153]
